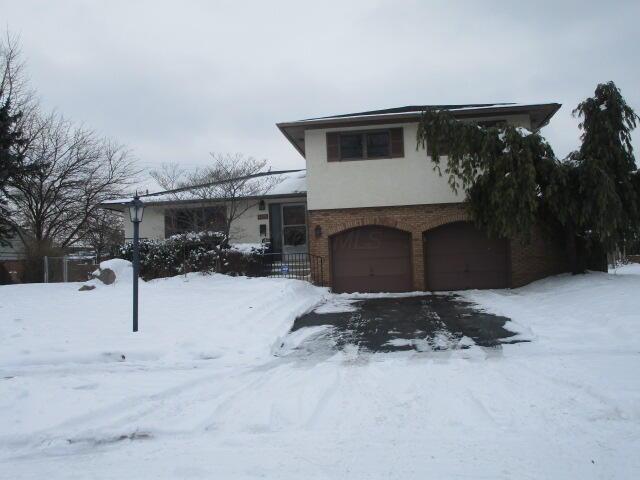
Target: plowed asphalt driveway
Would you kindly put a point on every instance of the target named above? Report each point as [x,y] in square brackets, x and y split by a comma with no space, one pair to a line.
[421,323]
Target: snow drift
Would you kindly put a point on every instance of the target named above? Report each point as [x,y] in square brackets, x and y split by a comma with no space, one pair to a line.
[198,393]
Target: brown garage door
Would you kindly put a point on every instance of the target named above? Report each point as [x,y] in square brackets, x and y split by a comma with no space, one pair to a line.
[371,259]
[458,256]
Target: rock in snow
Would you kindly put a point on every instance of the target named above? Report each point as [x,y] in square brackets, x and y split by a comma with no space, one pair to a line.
[109,272]
[106,276]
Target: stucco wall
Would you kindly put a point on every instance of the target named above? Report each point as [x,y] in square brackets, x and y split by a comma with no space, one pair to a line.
[410,180]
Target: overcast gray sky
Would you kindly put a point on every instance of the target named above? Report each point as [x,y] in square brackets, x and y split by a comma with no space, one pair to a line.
[176,80]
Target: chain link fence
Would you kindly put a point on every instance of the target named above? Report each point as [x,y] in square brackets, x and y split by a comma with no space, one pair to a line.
[68,268]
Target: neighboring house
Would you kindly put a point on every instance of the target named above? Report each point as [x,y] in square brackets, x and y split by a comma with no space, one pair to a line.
[12,258]
[279,215]
[382,219]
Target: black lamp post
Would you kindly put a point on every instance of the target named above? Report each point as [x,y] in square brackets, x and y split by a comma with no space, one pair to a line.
[136,209]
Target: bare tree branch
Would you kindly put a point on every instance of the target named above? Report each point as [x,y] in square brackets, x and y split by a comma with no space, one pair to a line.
[102,231]
[79,171]
[233,181]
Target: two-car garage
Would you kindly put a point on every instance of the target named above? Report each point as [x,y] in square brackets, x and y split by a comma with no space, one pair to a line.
[456,256]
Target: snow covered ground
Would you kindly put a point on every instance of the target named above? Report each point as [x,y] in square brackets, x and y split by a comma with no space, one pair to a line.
[206,390]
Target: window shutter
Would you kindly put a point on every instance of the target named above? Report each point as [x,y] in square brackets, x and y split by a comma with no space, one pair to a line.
[333,146]
[397,142]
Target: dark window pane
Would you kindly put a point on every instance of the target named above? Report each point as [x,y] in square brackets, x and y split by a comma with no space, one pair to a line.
[377,144]
[213,219]
[294,236]
[185,220]
[293,215]
[351,146]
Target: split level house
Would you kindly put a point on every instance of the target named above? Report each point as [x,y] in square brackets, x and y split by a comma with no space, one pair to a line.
[372,208]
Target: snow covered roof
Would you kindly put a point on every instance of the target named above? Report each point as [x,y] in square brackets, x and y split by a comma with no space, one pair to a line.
[285,183]
[539,113]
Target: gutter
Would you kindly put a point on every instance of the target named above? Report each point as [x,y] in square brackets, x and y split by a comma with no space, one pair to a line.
[110,206]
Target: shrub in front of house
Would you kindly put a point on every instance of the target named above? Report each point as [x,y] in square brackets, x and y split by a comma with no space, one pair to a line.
[249,264]
[192,252]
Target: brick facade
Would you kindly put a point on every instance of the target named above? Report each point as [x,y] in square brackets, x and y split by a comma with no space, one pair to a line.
[536,259]
[529,262]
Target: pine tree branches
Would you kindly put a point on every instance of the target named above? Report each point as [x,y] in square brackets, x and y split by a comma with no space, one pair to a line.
[12,140]
[513,180]
[495,166]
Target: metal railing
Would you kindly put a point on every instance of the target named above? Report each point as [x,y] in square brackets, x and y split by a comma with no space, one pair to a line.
[298,266]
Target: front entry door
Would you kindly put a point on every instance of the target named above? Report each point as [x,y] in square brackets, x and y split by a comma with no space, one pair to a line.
[294,228]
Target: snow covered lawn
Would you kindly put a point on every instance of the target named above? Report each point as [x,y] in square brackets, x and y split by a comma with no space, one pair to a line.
[199,393]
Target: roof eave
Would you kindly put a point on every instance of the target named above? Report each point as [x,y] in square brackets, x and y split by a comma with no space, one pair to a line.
[120,206]
[299,148]
[285,127]
[552,111]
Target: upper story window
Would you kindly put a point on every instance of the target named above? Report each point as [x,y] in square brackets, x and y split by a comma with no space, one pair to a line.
[367,145]
[378,144]
[351,147]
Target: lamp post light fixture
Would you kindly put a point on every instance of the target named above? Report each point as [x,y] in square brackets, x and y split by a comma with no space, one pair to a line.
[136,210]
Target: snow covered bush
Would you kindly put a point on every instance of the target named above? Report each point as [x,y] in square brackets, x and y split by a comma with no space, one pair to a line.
[248,263]
[193,252]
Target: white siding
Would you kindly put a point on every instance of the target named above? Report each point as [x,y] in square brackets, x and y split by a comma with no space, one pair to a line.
[410,180]
[15,251]
[245,229]
[152,226]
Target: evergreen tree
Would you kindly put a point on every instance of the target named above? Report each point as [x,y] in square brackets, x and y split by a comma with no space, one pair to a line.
[513,180]
[13,99]
[606,172]
[500,168]
[12,164]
